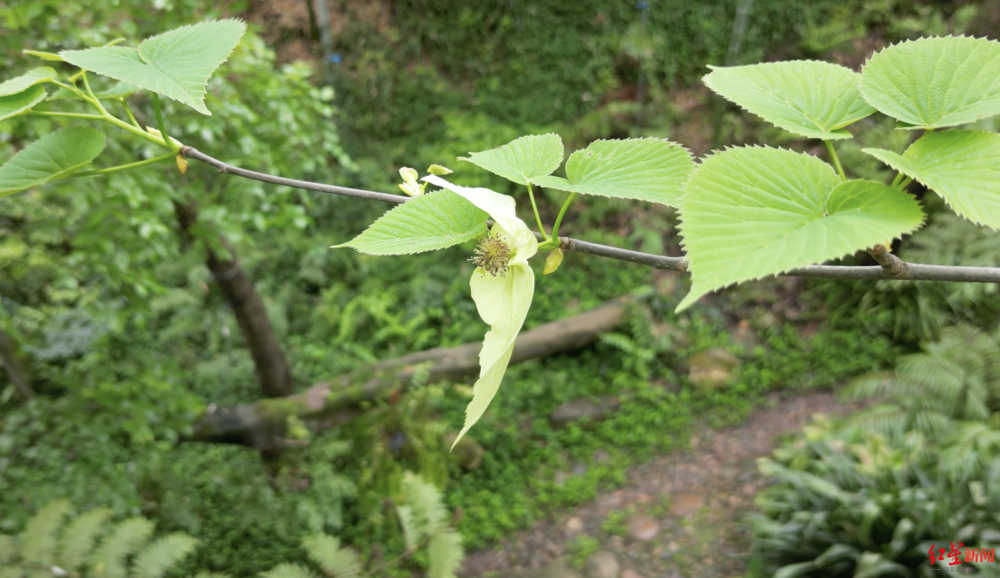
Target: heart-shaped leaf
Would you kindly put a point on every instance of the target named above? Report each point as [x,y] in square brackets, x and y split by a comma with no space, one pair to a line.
[963,166]
[751,212]
[426,223]
[27,80]
[50,157]
[648,169]
[20,102]
[808,98]
[523,159]
[935,82]
[176,64]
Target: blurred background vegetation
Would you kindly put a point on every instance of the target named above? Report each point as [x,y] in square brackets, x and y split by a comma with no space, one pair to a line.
[127,339]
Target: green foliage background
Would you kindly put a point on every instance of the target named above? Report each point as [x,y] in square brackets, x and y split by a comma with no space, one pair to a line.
[128,339]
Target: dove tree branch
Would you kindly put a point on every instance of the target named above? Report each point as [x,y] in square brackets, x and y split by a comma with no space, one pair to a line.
[890,267]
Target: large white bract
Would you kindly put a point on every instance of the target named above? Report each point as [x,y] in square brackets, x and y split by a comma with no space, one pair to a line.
[502,300]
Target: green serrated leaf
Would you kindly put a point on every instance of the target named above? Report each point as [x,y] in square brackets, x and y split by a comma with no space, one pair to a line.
[963,166]
[807,98]
[50,157]
[751,212]
[522,159]
[426,223]
[27,80]
[648,169]
[21,102]
[935,82]
[176,64]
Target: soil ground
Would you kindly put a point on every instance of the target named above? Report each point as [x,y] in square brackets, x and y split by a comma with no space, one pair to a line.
[692,502]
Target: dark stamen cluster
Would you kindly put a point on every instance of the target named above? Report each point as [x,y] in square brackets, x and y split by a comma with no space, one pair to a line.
[492,254]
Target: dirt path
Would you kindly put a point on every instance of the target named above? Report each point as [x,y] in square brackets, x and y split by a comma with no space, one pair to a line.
[677,516]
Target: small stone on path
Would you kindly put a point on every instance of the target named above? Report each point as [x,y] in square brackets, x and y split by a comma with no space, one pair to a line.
[686,504]
[642,527]
[602,565]
[574,525]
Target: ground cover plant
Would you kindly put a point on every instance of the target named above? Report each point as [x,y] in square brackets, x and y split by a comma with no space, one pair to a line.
[515,241]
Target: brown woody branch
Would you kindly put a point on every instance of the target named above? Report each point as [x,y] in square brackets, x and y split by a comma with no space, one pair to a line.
[897,269]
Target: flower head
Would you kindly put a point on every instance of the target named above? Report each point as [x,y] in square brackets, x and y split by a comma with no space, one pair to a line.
[492,255]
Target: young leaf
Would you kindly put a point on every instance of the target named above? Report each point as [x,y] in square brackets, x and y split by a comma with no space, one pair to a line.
[807,98]
[963,166]
[751,212]
[27,80]
[523,159]
[49,157]
[648,169]
[176,64]
[43,55]
[21,102]
[935,82]
[426,223]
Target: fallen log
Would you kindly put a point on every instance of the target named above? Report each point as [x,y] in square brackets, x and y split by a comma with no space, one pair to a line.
[262,424]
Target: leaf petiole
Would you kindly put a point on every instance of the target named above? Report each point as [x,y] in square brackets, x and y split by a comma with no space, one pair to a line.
[538,218]
[835,159]
[128,111]
[66,115]
[562,212]
[896,180]
[125,167]
[160,124]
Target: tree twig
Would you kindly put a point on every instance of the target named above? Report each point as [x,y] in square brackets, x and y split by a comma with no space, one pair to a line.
[898,269]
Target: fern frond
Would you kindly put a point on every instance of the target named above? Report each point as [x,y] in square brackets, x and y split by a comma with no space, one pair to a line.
[156,559]
[288,570]
[127,537]
[620,342]
[445,552]
[874,384]
[38,542]
[206,574]
[335,561]
[411,531]
[429,511]
[931,423]
[78,538]
[887,420]
[968,448]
